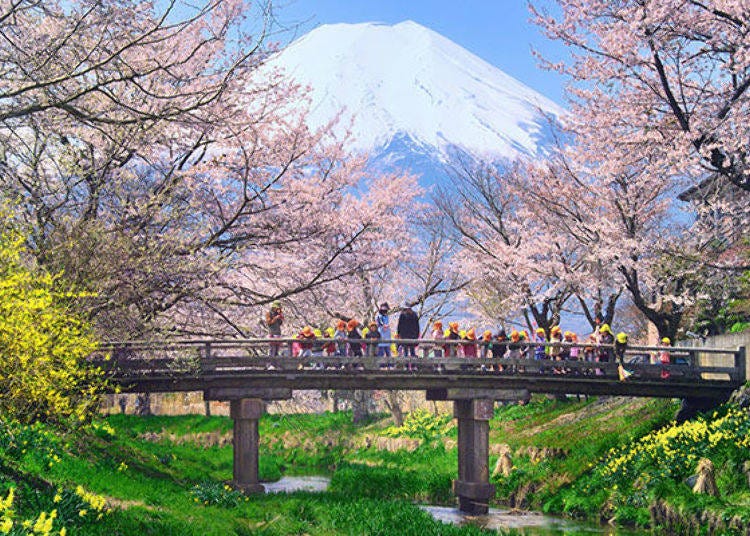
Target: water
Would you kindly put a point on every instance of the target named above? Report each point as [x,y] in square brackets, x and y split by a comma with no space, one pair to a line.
[524,523]
[289,484]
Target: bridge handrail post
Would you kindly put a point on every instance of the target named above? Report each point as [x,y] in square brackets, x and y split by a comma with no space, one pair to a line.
[693,363]
[740,364]
[209,364]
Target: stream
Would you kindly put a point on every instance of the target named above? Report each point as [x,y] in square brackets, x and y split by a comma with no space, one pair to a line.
[522,522]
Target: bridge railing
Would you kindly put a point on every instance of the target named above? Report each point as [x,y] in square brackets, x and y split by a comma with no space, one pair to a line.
[278,355]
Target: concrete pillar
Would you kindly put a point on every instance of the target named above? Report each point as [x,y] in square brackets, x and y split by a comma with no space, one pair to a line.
[246,412]
[472,487]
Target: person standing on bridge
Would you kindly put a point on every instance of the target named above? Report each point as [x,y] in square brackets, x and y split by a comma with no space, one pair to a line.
[355,338]
[437,335]
[451,350]
[408,328]
[384,328]
[540,350]
[606,340]
[306,340]
[524,339]
[330,347]
[274,320]
[665,358]
[485,351]
[621,346]
[470,346]
[340,337]
[373,335]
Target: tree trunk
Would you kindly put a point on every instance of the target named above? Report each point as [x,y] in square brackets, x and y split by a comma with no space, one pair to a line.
[143,404]
[361,403]
[393,403]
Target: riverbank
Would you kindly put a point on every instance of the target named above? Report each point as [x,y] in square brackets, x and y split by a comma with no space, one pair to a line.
[164,475]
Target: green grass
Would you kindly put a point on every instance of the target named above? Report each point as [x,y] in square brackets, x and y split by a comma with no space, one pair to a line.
[159,486]
[165,475]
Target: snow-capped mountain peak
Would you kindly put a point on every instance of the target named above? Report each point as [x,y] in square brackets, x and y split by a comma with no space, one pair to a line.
[407,81]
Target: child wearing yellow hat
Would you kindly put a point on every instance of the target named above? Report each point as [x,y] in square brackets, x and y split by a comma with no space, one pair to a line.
[306,338]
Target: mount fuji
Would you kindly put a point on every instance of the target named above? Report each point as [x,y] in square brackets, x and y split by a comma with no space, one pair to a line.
[413,99]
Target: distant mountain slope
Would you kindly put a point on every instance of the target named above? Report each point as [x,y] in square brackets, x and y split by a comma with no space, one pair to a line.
[407,89]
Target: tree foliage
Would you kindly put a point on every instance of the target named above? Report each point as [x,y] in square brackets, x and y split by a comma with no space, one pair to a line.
[43,343]
[163,167]
[659,102]
[665,78]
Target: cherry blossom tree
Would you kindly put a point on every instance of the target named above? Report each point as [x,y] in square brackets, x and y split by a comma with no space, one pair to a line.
[515,267]
[659,102]
[665,77]
[624,226]
[160,165]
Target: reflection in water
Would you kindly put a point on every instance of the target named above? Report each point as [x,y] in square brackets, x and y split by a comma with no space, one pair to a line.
[525,523]
[289,484]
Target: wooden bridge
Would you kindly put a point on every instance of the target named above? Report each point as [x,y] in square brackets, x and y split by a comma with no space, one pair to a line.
[250,372]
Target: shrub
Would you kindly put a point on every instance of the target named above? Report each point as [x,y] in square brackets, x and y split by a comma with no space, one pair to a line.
[217,494]
[422,424]
[43,344]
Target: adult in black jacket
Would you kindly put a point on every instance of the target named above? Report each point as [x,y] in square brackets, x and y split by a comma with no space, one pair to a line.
[408,328]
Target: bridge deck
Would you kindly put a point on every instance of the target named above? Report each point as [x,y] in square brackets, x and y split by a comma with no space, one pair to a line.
[236,367]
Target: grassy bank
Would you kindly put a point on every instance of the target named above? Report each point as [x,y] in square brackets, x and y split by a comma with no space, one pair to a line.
[165,475]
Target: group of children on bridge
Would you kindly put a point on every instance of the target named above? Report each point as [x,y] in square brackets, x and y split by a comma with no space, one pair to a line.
[376,339]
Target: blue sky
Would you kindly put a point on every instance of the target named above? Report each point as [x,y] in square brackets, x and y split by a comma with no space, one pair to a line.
[497,31]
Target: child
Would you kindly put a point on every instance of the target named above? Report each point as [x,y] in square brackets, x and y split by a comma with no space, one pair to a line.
[555,351]
[500,348]
[621,344]
[355,347]
[470,347]
[340,337]
[486,349]
[571,352]
[306,339]
[437,335]
[606,337]
[317,348]
[540,350]
[524,338]
[514,349]
[330,347]
[373,336]
[453,335]
[665,357]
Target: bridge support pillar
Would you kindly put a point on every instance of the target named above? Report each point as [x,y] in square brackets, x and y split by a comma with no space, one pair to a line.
[472,486]
[246,412]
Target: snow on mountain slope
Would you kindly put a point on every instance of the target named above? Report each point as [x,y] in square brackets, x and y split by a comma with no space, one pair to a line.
[407,81]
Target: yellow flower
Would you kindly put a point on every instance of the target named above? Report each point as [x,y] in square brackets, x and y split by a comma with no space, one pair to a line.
[7,503]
